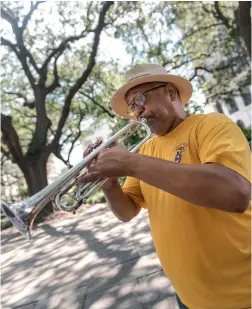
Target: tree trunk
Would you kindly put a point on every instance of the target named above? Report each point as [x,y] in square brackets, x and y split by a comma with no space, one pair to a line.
[243,19]
[35,175]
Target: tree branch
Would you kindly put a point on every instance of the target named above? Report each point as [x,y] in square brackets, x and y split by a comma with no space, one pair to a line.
[98,104]
[55,83]
[205,8]
[243,20]
[73,90]
[57,52]
[11,139]
[9,17]
[77,136]
[57,153]
[208,70]
[219,15]
[186,61]
[190,33]
[28,16]
[17,94]
[23,52]
[62,46]
[221,93]
[196,72]
[11,45]
[73,141]
[22,96]
[22,59]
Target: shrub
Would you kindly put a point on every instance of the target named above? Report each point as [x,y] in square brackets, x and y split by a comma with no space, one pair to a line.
[5,224]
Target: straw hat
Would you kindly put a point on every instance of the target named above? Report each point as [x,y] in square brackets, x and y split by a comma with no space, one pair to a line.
[147,73]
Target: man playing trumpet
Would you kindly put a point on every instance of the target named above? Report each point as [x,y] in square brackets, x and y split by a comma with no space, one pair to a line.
[193,177]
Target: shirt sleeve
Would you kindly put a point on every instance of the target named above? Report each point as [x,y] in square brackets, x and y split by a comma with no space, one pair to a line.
[132,185]
[133,189]
[222,141]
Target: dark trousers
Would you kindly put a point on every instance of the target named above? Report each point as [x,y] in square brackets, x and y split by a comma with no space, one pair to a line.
[180,304]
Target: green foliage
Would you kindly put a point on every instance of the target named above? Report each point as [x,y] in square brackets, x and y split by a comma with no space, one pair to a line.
[5,224]
[247,133]
[195,39]
[212,45]
[122,181]
[97,197]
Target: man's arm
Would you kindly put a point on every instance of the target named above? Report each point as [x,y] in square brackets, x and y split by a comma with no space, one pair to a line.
[122,206]
[119,202]
[209,185]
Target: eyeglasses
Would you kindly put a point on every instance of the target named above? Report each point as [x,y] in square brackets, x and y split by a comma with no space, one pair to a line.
[140,100]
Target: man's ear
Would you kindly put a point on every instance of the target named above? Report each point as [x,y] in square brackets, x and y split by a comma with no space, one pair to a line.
[171,91]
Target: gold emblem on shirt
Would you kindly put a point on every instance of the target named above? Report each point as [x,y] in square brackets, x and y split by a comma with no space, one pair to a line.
[180,151]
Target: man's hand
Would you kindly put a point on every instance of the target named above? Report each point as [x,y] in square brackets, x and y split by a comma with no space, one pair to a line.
[104,166]
[110,162]
[92,147]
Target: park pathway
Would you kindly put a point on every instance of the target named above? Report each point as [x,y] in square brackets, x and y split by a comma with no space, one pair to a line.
[87,261]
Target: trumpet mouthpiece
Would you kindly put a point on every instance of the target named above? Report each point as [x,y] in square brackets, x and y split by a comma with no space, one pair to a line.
[144,120]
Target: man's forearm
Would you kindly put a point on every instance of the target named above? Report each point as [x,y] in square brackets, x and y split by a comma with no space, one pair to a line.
[120,204]
[208,185]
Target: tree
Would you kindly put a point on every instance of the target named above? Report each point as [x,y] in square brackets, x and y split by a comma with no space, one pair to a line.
[199,40]
[214,46]
[243,19]
[39,95]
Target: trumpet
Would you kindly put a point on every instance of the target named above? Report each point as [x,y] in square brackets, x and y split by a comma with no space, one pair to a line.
[23,214]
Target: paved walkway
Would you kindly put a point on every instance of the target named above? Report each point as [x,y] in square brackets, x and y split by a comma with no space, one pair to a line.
[87,261]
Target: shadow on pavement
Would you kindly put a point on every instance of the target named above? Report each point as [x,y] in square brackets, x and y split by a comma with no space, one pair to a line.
[87,261]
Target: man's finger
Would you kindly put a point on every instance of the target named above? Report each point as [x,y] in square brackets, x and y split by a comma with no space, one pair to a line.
[92,163]
[91,147]
[99,140]
[90,177]
[92,168]
[113,144]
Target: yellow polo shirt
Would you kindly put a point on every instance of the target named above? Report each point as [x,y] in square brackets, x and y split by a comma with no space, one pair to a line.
[204,252]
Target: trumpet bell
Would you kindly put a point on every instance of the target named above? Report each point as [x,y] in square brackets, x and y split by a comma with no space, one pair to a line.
[17,221]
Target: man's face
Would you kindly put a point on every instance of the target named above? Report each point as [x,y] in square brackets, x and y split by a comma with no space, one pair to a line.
[160,108]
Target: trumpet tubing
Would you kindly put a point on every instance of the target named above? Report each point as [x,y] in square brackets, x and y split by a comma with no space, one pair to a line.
[23,214]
